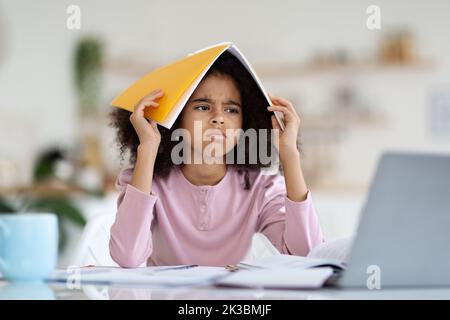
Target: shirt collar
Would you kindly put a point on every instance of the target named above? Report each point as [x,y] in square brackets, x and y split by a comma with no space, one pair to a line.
[186,182]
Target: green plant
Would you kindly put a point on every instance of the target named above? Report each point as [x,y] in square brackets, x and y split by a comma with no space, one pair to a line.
[45,164]
[5,207]
[88,63]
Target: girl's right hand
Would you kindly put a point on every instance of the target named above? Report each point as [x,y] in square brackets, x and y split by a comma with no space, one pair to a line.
[147,129]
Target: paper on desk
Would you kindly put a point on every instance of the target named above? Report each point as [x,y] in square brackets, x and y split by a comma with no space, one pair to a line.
[338,249]
[284,261]
[161,276]
[278,278]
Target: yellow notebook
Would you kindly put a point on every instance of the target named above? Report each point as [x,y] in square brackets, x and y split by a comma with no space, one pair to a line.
[178,80]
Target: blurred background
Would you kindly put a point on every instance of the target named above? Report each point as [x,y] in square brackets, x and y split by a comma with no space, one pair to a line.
[359,90]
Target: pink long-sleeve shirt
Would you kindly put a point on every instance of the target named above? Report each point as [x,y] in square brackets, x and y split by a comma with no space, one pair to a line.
[181,223]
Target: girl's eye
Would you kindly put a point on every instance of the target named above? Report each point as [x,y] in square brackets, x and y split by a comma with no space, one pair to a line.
[232,110]
[201,108]
[205,107]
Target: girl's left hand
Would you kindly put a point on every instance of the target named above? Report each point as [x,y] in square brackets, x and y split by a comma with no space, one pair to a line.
[287,141]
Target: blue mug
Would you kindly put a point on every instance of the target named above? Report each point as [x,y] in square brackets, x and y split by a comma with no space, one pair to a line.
[28,246]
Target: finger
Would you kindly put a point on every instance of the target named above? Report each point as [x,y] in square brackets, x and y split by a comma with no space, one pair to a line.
[154,92]
[278,98]
[151,103]
[154,95]
[290,111]
[146,103]
[287,113]
[158,94]
[284,102]
[291,107]
[277,108]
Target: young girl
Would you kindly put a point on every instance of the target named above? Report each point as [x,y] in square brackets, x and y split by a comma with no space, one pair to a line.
[206,213]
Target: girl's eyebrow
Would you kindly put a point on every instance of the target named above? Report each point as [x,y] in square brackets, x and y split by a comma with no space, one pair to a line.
[207,100]
[232,102]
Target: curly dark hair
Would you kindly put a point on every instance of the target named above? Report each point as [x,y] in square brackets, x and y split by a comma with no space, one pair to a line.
[254,113]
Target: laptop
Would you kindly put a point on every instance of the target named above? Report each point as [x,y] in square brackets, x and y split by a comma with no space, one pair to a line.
[403,238]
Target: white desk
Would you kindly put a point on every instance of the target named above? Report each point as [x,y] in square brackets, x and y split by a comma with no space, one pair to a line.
[62,292]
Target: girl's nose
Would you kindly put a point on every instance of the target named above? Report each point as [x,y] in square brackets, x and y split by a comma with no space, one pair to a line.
[217,119]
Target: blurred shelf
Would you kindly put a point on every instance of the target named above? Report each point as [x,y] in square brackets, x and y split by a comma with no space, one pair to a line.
[140,66]
[298,70]
[56,187]
[51,188]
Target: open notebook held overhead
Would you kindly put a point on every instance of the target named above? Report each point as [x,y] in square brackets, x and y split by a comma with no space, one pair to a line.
[178,80]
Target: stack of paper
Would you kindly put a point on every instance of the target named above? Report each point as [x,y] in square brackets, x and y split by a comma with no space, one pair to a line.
[184,275]
[278,278]
[281,271]
[284,261]
[276,271]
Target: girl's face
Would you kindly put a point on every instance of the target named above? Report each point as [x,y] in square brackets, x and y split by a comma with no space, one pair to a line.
[216,106]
